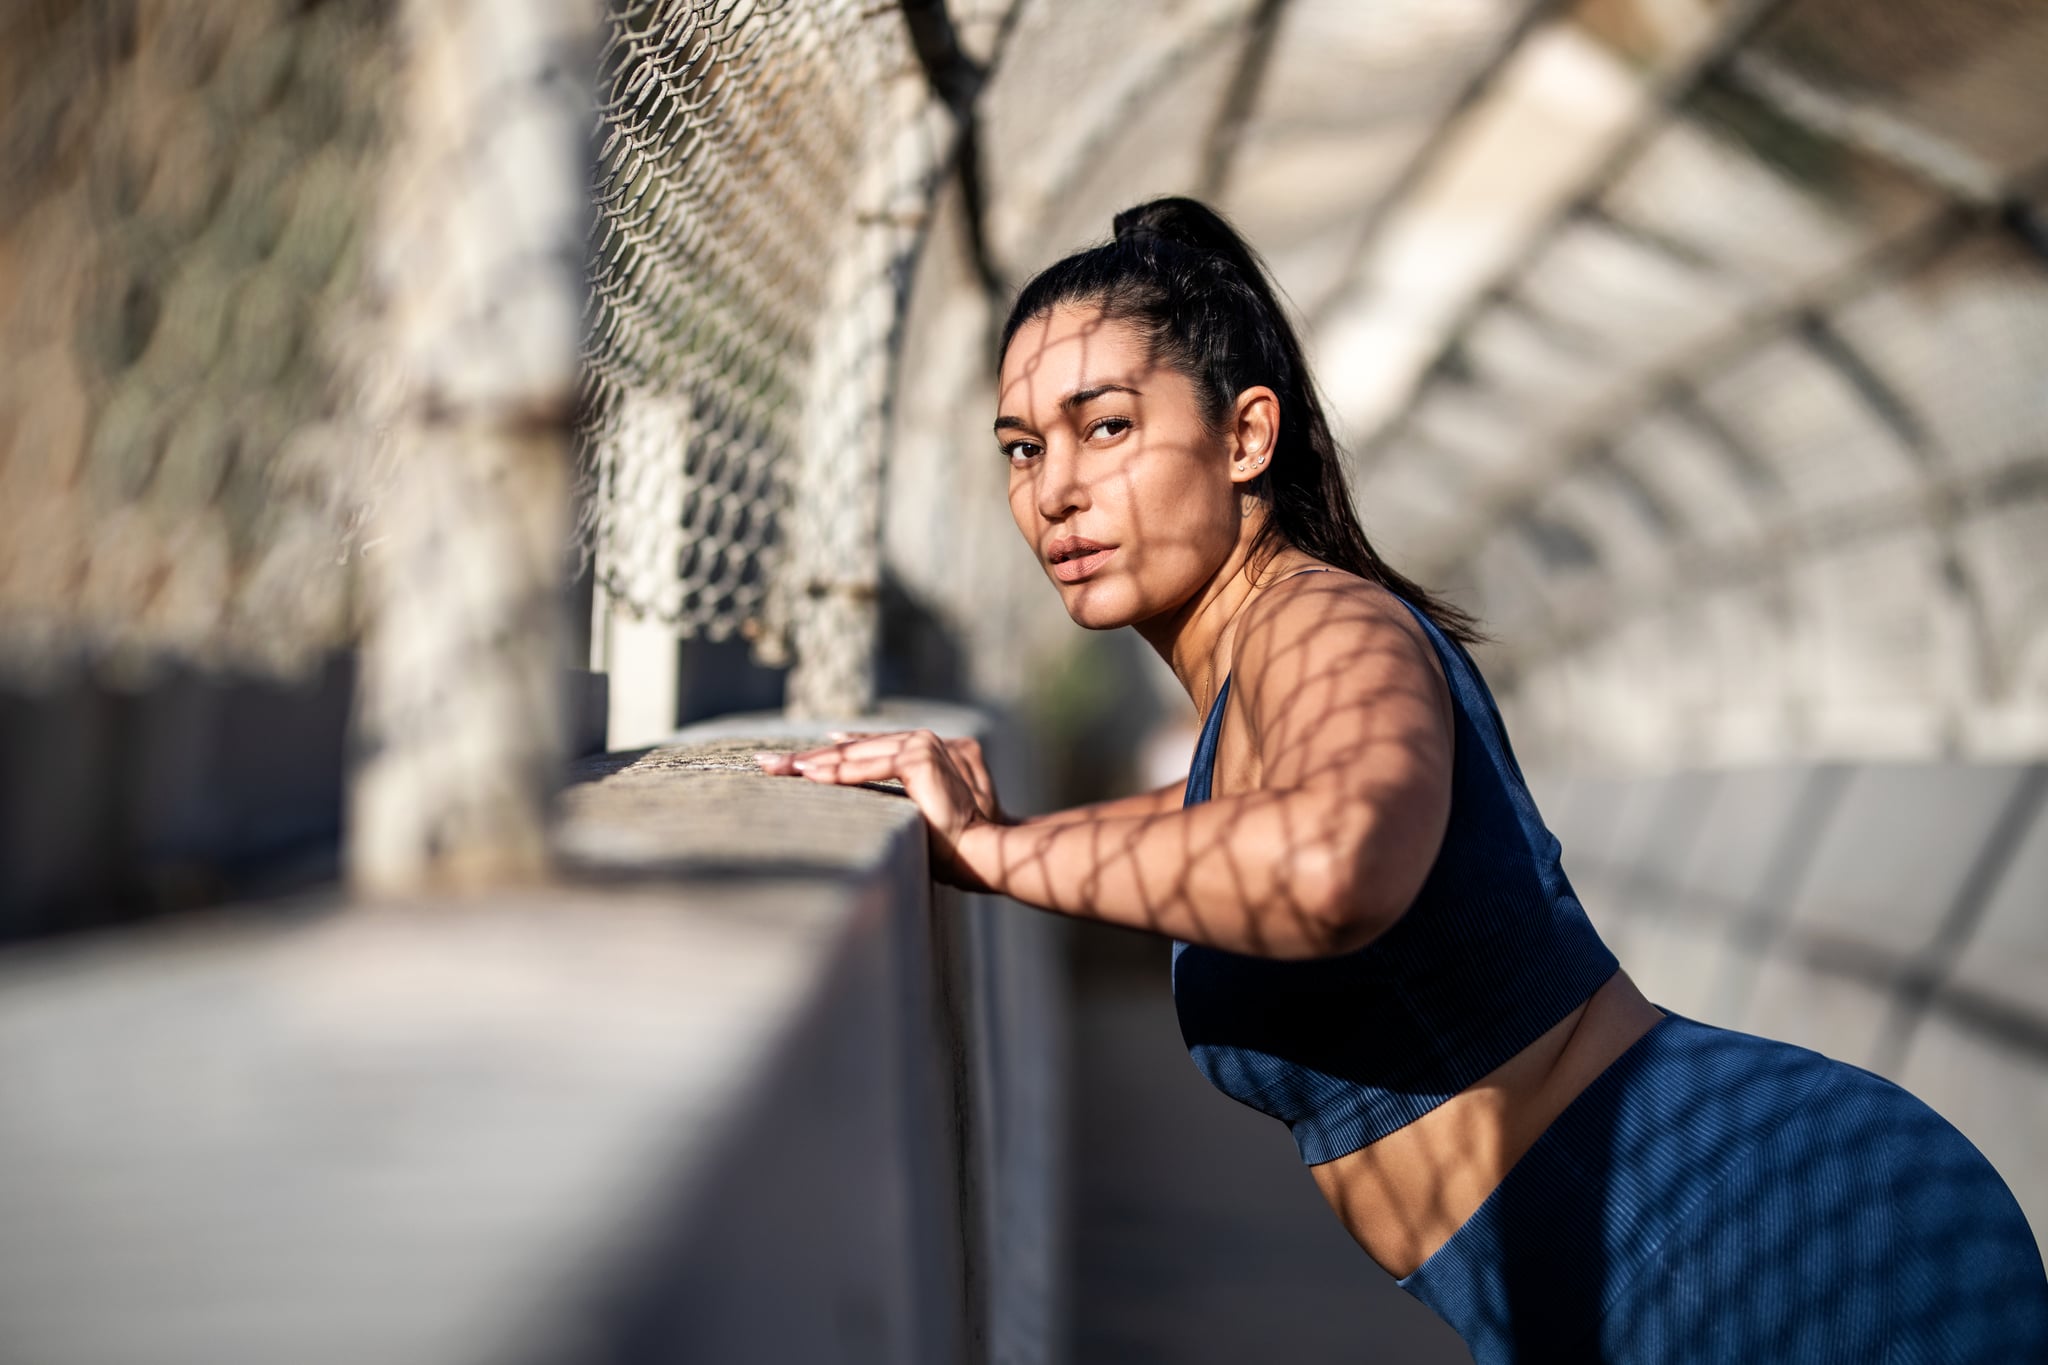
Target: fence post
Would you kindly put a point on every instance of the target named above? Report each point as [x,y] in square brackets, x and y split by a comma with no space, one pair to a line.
[477,269]
[645,488]
[833,565]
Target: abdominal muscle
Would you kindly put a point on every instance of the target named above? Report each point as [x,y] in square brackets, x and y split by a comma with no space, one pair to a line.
[1403,1196]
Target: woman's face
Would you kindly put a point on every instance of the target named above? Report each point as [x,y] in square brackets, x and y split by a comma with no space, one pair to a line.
[1118,485]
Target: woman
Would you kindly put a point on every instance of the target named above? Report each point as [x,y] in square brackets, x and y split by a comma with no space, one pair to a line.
[1373,939]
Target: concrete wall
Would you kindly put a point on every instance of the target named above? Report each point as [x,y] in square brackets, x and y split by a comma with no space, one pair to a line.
[1892,915]
[743,1086]
[180,789]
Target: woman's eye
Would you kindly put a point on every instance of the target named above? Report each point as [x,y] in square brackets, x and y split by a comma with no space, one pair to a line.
[1019,450]
[1109,426]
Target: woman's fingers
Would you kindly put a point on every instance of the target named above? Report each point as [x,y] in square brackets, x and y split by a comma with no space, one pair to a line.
[899,743]
[852,771]
[899,748]
[786,765]
[938,773]
[928,777]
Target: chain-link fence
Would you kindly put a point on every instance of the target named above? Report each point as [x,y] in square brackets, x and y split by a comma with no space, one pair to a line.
[764,176]
[184,190]
[731,146]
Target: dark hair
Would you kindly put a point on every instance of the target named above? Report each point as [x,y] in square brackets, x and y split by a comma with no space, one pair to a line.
[1201,297]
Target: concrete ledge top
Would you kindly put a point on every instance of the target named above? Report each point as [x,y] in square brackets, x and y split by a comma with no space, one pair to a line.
[404,1133]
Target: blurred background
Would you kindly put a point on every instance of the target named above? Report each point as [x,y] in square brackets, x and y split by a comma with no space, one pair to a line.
[402,401]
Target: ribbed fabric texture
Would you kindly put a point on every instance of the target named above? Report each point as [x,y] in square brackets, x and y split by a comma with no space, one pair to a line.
[1494,950]
[1715,1198]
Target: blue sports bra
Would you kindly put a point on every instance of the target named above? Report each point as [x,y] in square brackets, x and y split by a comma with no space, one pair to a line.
[1494,950]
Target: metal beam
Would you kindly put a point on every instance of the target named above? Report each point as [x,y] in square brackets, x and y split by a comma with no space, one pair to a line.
[1425,158]
[1895,411]
[1161,65]
[1754,474]
[957,81]
[1878,395]
[1804,311]
[1920,981]
[1240,97]
[1647,504]
[1934,162]
[2029,227]
[1681,376]
[1955,497]
[1742,20]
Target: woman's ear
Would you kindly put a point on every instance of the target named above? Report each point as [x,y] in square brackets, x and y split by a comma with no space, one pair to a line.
[1254,433]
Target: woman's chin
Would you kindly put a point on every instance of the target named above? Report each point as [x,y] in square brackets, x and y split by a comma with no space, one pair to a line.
[1093,609]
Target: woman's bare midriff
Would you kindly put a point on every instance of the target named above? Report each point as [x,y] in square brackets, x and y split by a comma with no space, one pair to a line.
[1403,1196]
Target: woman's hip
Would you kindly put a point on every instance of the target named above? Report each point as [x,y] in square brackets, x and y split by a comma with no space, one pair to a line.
[1717,1196]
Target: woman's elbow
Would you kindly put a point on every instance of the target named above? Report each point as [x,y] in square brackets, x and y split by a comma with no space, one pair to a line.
[1375,863]
[1338,904]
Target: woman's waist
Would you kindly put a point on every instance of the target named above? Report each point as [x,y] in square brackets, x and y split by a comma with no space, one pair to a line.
[1405,1193]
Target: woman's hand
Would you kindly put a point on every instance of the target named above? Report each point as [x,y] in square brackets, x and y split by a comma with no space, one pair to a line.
[947,778]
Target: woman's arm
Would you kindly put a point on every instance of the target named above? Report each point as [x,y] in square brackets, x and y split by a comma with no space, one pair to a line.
[1350,721]
[1136,806]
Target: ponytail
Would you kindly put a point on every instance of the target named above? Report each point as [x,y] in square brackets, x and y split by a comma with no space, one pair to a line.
[1202,298]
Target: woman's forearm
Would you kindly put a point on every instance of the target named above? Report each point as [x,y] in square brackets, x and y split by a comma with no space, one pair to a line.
[1272,874]
[1154,802]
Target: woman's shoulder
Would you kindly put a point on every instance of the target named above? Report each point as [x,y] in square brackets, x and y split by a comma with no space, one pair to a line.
[1340,691]
[1320,628]
[1304,601]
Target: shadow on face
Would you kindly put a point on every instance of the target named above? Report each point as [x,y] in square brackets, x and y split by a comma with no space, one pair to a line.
[1117,482]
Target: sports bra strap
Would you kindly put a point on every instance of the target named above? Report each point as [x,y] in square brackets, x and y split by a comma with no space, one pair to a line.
[1313,568]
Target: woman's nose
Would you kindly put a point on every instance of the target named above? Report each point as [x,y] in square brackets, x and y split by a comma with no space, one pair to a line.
[1061,492]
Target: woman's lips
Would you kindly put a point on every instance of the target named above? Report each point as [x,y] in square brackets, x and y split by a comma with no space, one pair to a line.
[1078,567]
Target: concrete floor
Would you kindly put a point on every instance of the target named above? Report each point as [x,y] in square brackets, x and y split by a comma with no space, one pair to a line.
[1198,1235]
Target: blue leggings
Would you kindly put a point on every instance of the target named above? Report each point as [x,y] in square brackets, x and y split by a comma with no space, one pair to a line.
[1716,1197]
